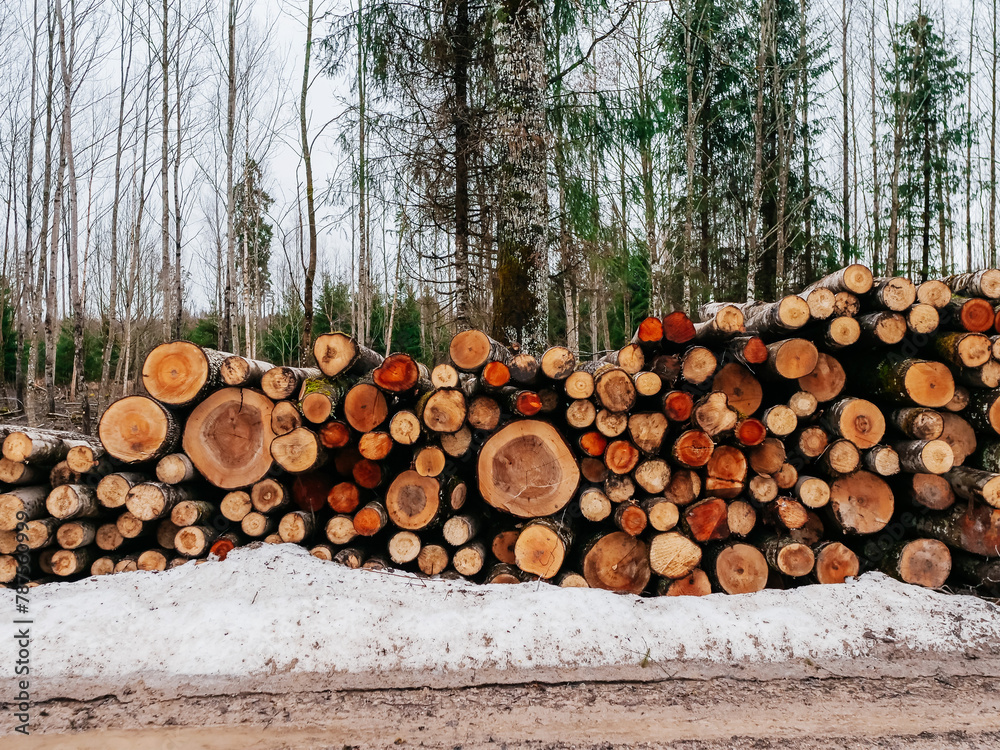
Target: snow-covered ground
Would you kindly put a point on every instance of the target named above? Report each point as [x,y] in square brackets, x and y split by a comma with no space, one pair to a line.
[271,615]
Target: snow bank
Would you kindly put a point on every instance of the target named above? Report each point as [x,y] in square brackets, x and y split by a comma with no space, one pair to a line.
[276,611]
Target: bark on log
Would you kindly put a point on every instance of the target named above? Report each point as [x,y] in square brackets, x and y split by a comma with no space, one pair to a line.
[241,372]
[284,382]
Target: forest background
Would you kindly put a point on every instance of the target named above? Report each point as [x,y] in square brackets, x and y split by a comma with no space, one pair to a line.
[246,175]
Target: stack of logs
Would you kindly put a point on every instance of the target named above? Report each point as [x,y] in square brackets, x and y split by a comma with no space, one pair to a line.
[852,426]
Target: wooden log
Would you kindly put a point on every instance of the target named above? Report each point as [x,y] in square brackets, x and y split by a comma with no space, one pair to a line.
[444,376]
[617,562]
[368,474]
[748,350]
[524,369]
[698,365]
[762,488]
[741,518]
[401,373]
[269,495]
[791,359]
[483,413]
[319,398]
[413,502]
[131,527]
[579,384]
[811,532]
[375,446]
[846,304]
[228,437]
[810,442]
[743,391]
[580,414]
[960,400]
[684,487]
[678,405]
[786,513]
[136,429]
[235,505]
[621,456]
[297,526]
[541,547]
[706,520]
[750,432]
[677,327]
[973,527]
[835,563]
[150,501]
[928,490]
[958,433]
[896,293]
[882,460]
[786,476]
[297,452]
[90,458]
[661,514]
[527,469]
[470,350]
[726,472]
[166,531]
[649,332]
[923,562]
[619,489]
[985,283]
[338,353]
[613,389]
[340,529]
[652,475]
[403,547]
[692,449]
[17,473]
[470,559]
[963,349]
[350,557]
[713,415]
[73,501]
[767,457]
[882,328]
[737,568]
[984,376]
[68,562]
[857,420]
[827,379]
[433,559]
[179,373]
[61,473]
[820,303]
[983,411]
[366,408]
[455,444]
[630,518]
[175,468]
[860,503]
[934,293]
[557,363]
[925,456]
[594,505]
[910,381]
[922,319]
[968,314]
[779,420]
[775,318]
[280,383]
[719,321]
[803,404]
[19,504]
[629,358]
[918,423]
[694,584]
[285,417]
[854,278]
[76,534]
[429,461]
[344,497]
[405,427]
[441,410]
[192,512]
[975,484]
[788,557]
[241,372]
[195,541]
[522,403]
[841,457]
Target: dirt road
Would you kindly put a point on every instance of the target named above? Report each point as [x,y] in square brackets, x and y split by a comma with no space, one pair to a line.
[803,714]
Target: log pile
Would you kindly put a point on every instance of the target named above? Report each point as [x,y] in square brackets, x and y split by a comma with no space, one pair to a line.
[852,426]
